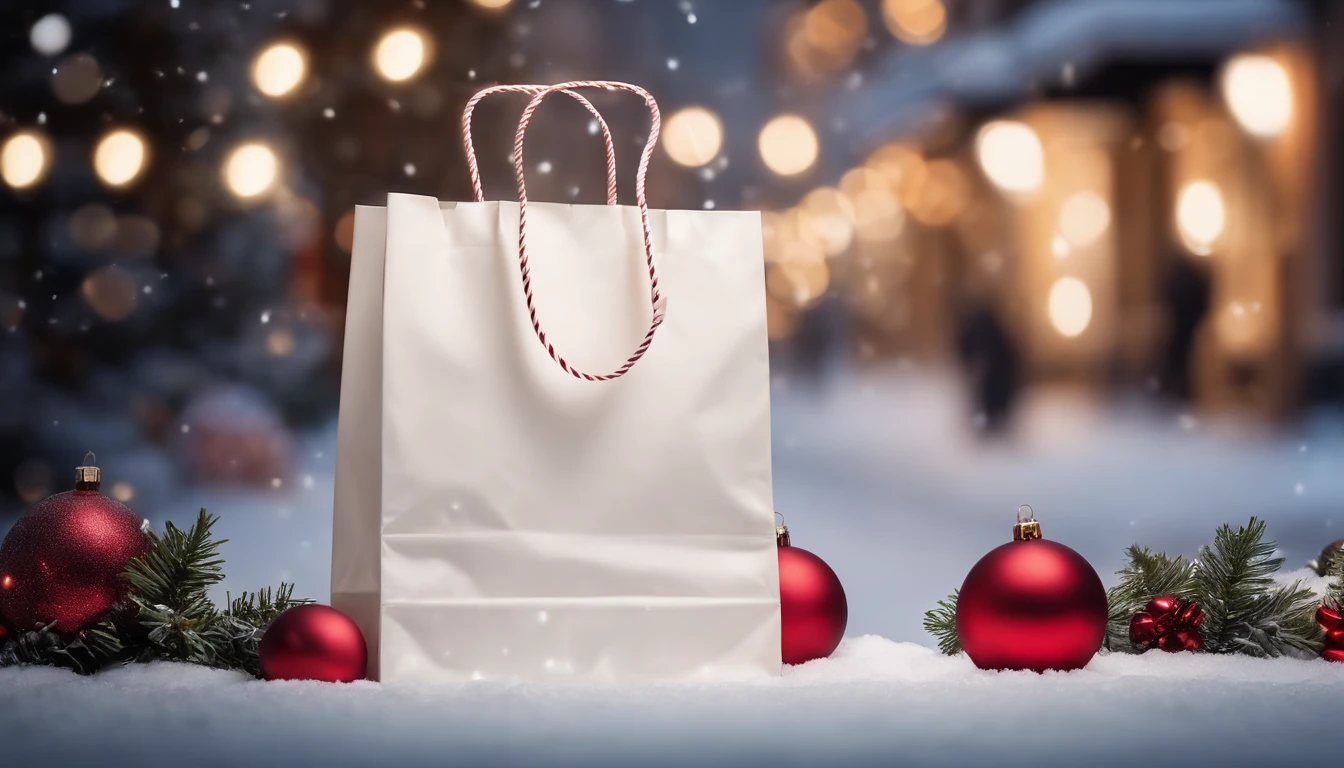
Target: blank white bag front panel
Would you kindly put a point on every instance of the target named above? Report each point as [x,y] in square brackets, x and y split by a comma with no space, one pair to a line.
[538,526]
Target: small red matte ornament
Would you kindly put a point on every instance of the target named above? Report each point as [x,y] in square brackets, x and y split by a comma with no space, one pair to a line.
[313,642]
[812,604]
[1332,624]
[1031,604]
[1168,623]
[62,561]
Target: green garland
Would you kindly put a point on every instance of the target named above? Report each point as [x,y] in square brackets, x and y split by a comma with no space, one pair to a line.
[167,615]
[1245,610]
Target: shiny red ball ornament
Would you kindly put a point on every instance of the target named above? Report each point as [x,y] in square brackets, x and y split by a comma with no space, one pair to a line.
[1332,624]
[1031,604]
[1168,623]
[812,603]
[313,642]
[62,561]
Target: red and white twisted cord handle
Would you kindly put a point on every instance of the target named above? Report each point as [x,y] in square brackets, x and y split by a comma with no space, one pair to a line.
[656,299]
[475,170]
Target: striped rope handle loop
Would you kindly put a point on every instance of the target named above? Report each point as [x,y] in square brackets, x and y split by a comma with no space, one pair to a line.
[656,299]
[475,170]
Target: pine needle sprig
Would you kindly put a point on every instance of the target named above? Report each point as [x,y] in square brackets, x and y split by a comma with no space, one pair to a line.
[1244,611]
[941,622]
[179,566]
[1147,575]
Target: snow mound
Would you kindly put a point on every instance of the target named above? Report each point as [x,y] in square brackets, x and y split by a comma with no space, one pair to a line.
[875,702]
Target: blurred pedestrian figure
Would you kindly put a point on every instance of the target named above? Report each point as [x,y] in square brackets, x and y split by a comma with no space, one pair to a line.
[991,362]
[1185,292]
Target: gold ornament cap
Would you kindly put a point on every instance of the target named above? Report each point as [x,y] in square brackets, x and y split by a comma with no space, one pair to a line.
[782,533]
[1026,528]
[88,477]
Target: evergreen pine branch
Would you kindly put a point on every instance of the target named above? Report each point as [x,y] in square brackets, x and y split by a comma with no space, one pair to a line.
[1147,575]
[180,565]
[1244,611]
[245,620]
[83,653]
[1334,593]
[941,622]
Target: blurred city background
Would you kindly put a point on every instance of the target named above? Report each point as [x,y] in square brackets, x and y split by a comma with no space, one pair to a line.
[1080,253]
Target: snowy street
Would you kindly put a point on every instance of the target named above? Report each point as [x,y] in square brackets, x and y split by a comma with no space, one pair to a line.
[881,476]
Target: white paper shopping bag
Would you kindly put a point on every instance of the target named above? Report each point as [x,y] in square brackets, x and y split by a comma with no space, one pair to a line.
[554,460]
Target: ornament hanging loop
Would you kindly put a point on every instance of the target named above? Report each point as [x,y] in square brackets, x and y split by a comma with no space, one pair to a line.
[88,477]
[782,538]
[1026,528]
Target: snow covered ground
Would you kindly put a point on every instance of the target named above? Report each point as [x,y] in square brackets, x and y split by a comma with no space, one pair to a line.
[875,703]
[881,476]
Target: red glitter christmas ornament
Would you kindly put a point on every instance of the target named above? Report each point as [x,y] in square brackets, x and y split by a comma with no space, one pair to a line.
[812,603]
[1332,624]
[1168,623]
[62,561]
[313,642]
[1031,604]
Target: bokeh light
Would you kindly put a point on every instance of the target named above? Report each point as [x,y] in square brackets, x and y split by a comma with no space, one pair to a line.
[878,215]
[122,491]
[490,5]
[1200,215]
[1083,218]
[110,292]
[400,54]
[280,342]
[1011,155]
[92,226]
[23,160]
[824,39]
[1070,306]
[50,35]
[825,219]
[938,195]
[77,79]
[788,145]
[902,166]
[344,232]
[279,69]
[917,22]
[250,170]
[799,282]
[693,136]
[119,157]
[1259,94]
